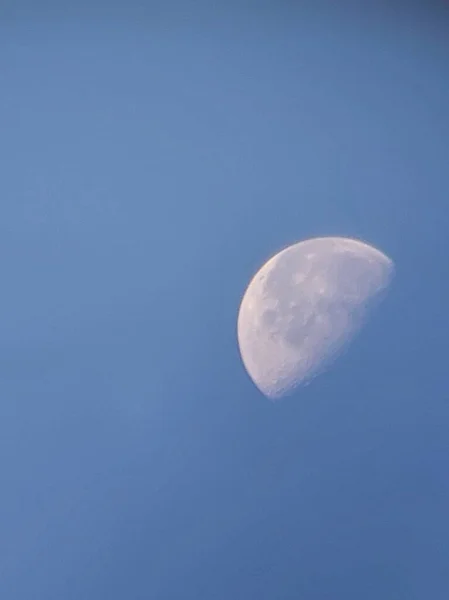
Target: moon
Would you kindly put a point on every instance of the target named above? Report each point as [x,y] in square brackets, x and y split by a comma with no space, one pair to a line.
[304,306]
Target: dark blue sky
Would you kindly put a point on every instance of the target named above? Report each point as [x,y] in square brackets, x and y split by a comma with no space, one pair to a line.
[152,159]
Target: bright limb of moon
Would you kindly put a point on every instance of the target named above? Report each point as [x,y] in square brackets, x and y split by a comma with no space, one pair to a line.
[304,306]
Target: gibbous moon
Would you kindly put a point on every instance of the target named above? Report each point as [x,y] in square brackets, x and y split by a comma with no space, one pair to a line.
[304,306]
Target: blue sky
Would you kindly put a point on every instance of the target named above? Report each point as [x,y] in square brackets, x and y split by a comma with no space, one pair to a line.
[152,160]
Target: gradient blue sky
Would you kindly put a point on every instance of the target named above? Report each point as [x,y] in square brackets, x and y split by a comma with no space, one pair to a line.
[152,159]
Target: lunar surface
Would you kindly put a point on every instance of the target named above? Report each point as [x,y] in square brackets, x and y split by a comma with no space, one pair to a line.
[304,306]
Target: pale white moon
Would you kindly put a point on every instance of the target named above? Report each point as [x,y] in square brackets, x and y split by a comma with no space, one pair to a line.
[304,306]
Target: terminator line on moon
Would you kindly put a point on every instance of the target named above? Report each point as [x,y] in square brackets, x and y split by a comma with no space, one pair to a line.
[304,306]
